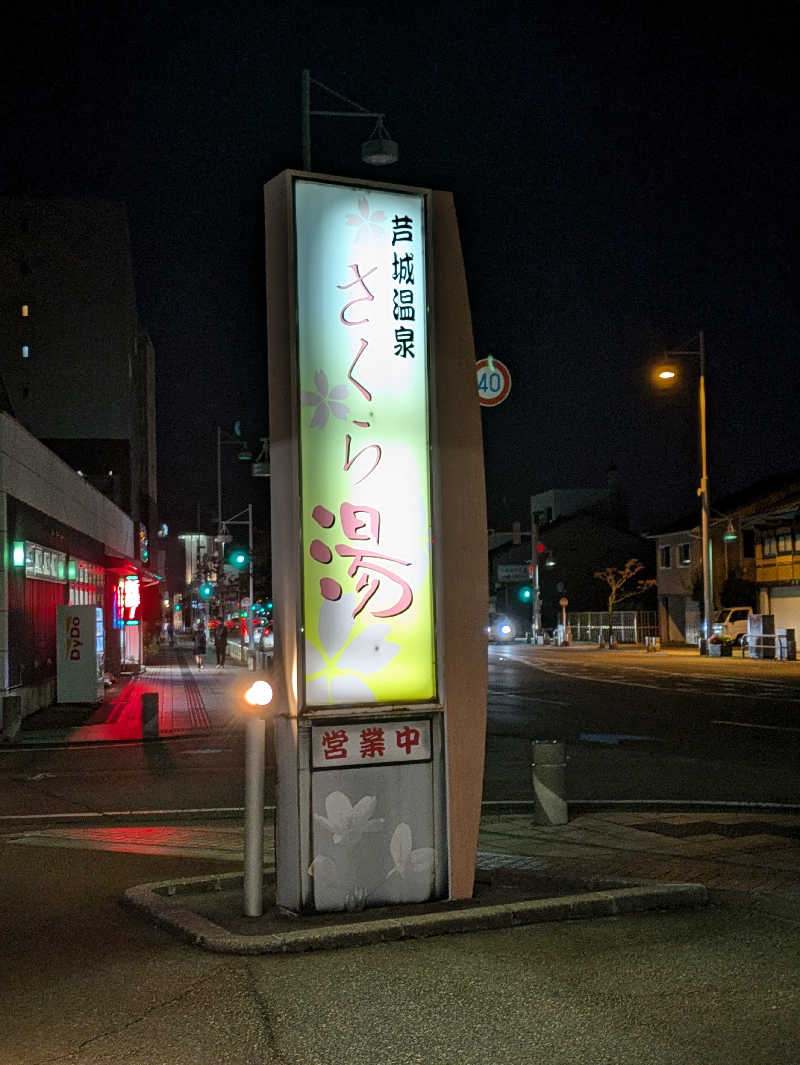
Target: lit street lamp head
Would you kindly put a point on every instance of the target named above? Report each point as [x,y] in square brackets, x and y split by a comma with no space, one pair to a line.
[258,695]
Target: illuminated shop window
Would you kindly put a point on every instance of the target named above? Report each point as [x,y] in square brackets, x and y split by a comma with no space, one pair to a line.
[25,310]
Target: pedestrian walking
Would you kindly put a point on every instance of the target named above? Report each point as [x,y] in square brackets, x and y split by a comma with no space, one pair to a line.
[170,634]
[199,644]
[221,644]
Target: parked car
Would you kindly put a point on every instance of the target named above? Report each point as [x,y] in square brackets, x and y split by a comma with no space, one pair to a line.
[264,637]
[731,621]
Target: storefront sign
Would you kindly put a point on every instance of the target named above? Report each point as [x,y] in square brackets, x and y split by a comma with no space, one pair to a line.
[370,743]
[127,599]
[42,563]
[368,593]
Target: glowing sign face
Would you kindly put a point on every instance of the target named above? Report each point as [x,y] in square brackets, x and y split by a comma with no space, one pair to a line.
[368,601]
[127,601]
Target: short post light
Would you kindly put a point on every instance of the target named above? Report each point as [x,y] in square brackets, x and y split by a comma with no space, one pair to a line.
[257,697]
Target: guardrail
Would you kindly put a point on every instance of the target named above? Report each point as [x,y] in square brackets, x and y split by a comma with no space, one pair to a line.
[775,645]
[254,660]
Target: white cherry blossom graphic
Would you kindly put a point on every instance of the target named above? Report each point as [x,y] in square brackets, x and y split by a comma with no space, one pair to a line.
[337,674]
[406,859]
[348,823]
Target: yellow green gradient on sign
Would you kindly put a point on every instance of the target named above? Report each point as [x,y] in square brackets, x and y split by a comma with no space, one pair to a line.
[368,592]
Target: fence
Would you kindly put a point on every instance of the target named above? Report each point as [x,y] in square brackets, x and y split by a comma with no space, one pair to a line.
[627,626]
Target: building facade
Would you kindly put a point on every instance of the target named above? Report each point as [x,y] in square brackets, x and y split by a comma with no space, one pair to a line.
[77,369]
[754,539]
[62,542]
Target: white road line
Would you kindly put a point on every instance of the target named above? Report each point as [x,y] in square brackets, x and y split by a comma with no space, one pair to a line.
[526,698]
[625,682]
[750,724]
[83,815]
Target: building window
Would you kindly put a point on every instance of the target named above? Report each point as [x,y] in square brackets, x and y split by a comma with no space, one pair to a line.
[26,351]
[769,548]
[684,554]
[666,561]
[785,543]
[25,310]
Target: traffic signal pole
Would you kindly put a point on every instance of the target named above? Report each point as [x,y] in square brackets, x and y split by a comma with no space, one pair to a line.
[536,604]
[250,656]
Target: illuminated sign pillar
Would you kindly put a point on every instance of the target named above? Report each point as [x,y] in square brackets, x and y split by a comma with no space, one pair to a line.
[379,545]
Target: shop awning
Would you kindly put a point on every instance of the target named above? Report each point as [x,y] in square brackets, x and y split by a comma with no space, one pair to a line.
[129,567]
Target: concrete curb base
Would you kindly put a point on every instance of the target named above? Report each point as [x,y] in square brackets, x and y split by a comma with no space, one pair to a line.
[162,903]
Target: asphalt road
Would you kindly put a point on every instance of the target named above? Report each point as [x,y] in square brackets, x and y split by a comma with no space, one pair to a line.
[637,727]
[642,727]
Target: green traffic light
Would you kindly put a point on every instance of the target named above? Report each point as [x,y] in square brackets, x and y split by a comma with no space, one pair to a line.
[238,558]
[206,591]
[524,594]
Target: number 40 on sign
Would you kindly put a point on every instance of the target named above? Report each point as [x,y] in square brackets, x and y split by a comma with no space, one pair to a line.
[494,381]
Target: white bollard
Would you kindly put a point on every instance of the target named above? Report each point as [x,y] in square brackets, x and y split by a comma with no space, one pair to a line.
[549,782]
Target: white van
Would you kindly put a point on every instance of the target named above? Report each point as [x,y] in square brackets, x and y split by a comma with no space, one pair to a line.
[731,621]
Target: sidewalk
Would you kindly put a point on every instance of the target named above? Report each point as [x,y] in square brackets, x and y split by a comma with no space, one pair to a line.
[190,701]
[599,864]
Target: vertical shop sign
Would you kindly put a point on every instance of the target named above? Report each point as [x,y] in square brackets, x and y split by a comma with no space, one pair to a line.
[363,369]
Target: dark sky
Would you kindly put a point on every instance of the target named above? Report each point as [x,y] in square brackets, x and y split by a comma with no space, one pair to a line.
[624,178]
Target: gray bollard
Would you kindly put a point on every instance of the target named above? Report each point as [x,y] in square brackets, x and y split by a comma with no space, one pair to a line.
[549,782]
[150,715]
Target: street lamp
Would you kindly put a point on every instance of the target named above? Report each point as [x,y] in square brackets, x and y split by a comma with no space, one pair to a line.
[245,455]
[379,150]
[666,375]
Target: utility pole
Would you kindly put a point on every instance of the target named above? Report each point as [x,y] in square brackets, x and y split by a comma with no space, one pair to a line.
[536,603]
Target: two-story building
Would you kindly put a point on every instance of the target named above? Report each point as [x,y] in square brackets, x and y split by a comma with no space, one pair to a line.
[754,540]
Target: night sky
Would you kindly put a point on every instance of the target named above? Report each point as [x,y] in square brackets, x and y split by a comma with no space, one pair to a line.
[623,179]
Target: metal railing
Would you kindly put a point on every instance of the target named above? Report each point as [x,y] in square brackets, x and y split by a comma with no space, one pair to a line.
[769,645]
[627,626]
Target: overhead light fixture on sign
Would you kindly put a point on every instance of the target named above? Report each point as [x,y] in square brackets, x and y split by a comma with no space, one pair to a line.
[379,150]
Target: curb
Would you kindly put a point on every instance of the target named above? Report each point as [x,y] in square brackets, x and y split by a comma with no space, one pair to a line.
[161,902]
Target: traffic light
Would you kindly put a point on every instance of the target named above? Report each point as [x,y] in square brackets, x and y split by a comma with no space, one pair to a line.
[238,557]
[206,591]
[524,593]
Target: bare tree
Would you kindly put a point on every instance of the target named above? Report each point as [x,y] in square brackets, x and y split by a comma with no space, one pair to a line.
[618,581]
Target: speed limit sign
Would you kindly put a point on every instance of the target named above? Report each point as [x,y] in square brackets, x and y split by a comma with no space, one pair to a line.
[494,381]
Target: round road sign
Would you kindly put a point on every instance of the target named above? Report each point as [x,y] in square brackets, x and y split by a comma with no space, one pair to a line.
[494,381]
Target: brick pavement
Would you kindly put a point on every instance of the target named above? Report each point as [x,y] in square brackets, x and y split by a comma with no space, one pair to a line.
[190,701]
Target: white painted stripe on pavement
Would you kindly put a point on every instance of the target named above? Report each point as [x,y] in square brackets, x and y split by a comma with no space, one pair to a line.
[625,682]
[751,724]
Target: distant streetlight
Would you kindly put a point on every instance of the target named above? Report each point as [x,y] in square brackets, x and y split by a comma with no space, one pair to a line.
[667,374]
[379,150]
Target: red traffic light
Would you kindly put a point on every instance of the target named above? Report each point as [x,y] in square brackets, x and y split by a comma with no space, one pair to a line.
[540,549]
